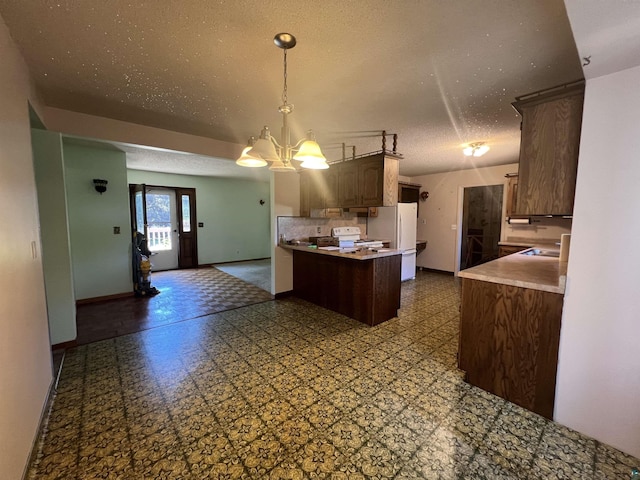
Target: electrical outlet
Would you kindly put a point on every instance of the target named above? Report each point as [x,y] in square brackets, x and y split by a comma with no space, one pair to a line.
[116,230]
[318,230]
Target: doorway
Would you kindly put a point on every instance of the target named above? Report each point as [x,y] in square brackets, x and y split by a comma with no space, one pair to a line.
[481,223]
[166,217]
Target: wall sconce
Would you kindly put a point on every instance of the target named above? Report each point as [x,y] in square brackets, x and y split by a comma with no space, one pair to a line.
[100,185]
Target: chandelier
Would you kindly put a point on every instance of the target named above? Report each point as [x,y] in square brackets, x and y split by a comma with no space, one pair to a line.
[476,149]
[266,148]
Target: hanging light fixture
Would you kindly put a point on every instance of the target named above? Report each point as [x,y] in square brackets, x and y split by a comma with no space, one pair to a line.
[280,155]
[476,149]
[247,161]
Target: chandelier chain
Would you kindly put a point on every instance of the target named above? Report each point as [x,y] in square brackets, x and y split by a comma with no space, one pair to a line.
[284,91]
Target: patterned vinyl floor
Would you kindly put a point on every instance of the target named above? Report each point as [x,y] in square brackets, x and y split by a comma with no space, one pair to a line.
[286,390]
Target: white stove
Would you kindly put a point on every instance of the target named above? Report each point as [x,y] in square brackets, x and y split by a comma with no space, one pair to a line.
[350,237]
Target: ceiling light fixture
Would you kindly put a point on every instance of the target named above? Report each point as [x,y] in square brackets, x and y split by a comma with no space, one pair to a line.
[267,149]
[476,149]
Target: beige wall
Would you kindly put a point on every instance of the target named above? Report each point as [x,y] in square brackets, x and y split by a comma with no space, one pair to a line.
[54,232]
[598,389]
[285,201]
[438,222]
[25,353]
[89,126]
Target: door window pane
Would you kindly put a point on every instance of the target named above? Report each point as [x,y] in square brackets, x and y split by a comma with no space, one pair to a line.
[186,214]
[139,213]
[159,221]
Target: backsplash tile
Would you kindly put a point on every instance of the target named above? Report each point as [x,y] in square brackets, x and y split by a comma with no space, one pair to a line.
[301,228]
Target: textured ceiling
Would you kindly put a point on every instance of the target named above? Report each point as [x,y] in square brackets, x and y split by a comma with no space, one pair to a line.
[438,73]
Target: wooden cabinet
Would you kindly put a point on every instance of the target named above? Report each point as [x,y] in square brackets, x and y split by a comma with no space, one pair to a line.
[512,195]
[509,339]
[330,187]
[305,208]
[504,250]
[409,193]
[549,146]
[370,181]
[366,290]
[348,187]
[318,190]
[364,182]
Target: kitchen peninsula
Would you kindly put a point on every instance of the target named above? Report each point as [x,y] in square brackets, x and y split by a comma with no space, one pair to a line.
[361,284]
[510,327]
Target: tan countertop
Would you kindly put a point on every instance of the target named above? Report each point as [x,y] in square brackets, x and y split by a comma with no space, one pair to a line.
[346,252]
[526,271]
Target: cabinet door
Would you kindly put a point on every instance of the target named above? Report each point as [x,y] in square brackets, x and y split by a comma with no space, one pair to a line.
[316,190]
[549,156]
[509,339]
[371,182]
[512,196]
[348,185]
[330,183]
[305,209]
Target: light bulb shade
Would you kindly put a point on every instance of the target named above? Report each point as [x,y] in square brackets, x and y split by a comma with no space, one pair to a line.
[481,150]
[309,150]
[312,165]
[476,149]
[265,150]
[249,161]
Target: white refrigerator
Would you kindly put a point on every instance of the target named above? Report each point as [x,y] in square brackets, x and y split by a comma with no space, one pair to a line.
[397,225]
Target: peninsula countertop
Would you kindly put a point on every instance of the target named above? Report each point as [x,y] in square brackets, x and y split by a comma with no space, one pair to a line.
[351,253]
[520,270]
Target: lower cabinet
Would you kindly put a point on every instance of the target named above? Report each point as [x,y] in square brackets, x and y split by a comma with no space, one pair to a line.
[366,290]
[509,339]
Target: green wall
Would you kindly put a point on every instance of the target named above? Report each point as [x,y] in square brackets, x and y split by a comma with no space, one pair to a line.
[54,234]
[236,227]
[101,259]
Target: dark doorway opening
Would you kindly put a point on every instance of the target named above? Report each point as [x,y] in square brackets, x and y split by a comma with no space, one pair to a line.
[481,223]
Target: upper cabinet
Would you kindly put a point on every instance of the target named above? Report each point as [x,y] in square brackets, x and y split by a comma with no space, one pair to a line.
[370,181]
[550,141]
[512,195]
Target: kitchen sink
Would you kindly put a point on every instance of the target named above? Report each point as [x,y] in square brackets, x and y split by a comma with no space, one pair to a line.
[537,252]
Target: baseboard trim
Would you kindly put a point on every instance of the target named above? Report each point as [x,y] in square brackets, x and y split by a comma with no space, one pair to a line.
[64,345]
[105,298]
[433,270]
[234,261]
[42,424]
[288,293]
